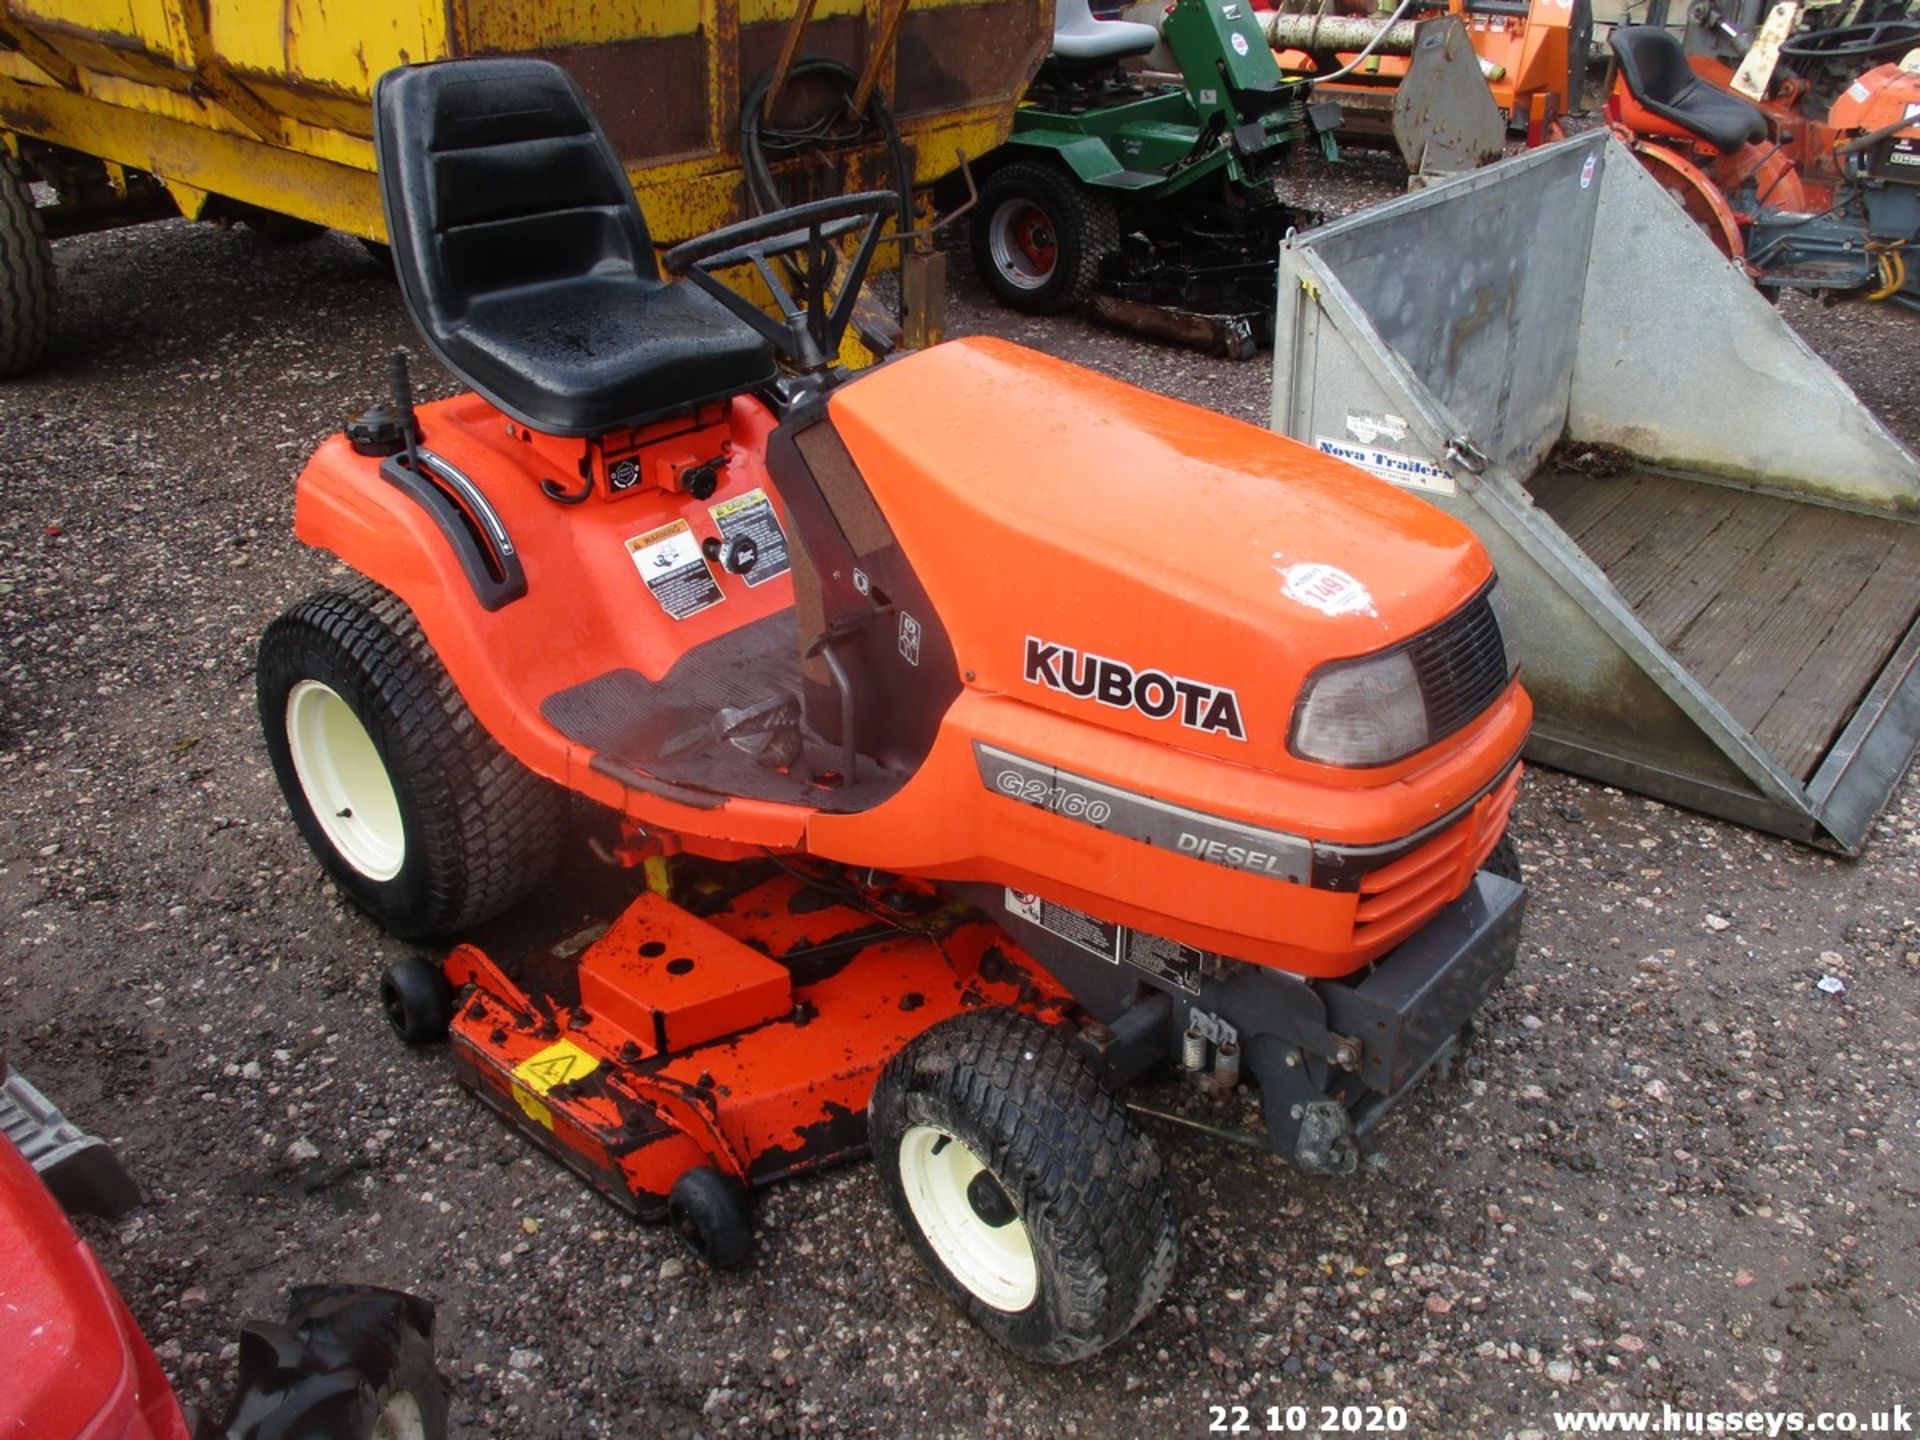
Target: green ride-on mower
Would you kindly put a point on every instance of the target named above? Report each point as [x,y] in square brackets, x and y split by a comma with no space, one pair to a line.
[1152,201]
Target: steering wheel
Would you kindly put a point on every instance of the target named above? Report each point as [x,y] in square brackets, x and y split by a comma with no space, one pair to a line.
[812,323]
[1853,42]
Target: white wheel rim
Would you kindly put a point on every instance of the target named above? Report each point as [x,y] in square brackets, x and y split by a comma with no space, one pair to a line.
[1010,257]
[400,1419]
[994,1262]
[345,781]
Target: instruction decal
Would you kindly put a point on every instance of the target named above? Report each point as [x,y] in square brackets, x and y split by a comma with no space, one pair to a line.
[1178,965]
[669,560]
[752,515]
[1369,428]
[1407,470]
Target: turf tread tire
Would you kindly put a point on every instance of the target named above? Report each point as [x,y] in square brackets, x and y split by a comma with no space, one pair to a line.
[1086,229]
[481,829]
[1082,1175]
[29,291]
[1504,860]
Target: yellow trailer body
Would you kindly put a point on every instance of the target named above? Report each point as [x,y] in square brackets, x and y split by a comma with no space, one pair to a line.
[268,102]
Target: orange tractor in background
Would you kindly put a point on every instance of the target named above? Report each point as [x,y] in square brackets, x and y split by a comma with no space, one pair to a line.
[1807,192]
[980,734]
[1533,54]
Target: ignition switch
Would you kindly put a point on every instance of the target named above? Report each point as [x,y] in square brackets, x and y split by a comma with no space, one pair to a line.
[736,555]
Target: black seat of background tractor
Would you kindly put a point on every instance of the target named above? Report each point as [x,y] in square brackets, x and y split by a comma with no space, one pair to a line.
[525,261]
[1654,64]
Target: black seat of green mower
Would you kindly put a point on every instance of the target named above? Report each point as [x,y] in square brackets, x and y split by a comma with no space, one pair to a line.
[525,261]
[1654,64]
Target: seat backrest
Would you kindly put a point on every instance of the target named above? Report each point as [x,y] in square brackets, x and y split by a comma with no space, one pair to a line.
[1080,38]
[495,175]
[1653,62]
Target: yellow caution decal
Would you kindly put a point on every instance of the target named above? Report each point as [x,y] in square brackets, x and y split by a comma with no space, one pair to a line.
[560,1063]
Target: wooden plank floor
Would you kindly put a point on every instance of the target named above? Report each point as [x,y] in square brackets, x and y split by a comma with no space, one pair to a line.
[1784,611]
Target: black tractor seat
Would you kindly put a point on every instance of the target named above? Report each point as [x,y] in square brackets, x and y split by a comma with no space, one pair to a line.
[1654,65]
[525,261]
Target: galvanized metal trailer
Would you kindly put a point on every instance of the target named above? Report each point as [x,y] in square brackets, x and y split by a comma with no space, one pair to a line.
[1719,599]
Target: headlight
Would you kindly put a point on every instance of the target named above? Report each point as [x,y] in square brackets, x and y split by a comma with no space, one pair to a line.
[1361,712]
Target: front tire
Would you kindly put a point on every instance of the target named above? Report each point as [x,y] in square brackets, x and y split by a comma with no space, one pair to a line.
[414,810]
[1027,1189]
[1038,237]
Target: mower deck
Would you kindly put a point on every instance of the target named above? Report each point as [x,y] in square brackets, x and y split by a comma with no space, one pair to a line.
[746,1036]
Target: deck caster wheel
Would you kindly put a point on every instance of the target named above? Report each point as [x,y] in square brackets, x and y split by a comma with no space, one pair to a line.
[1024,1185]
[709,1208]
[417,1000]
[416,812]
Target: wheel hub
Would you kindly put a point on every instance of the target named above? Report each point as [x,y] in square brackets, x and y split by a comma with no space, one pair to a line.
[990,1203]
[345,780]
[1023,243]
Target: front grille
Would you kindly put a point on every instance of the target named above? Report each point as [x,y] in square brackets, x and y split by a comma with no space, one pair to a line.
[1462,665]
[1399,898]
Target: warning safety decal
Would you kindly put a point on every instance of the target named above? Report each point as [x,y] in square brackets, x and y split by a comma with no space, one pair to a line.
[559,1064]
[752,515]
[1177,964]
[669,560]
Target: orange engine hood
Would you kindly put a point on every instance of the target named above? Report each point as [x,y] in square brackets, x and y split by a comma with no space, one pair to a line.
[1046,506]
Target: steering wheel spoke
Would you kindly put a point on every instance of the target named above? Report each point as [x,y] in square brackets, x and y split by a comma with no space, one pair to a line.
[814,320]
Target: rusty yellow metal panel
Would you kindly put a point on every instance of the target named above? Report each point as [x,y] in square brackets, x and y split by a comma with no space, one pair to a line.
[510,25]
[346,45]
[268,103]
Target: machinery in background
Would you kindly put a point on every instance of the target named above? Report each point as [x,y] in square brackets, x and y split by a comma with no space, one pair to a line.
[351,1362]
[1152,198]
[1805,193]
[1532,53]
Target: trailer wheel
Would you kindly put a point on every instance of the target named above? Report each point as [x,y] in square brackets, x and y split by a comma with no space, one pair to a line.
[350,1363]
[417,1000]
[709,1208]
[1024,1185]
[28,288]
[1039,235]
[419,816]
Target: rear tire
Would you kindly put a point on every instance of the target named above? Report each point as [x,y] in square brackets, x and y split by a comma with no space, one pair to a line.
[1038,237]
[1029,1192]
[1504,860]
[414,810]
[29,290]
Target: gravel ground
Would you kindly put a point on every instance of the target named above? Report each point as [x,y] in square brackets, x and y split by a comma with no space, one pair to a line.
[1673,1170]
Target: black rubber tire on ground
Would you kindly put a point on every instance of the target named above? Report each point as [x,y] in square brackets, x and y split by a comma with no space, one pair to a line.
[1504,860]
[1078,1172]
[480,829]
[347,1357]
[29,291]
[711,1211]
[1082,223]
[417,1000]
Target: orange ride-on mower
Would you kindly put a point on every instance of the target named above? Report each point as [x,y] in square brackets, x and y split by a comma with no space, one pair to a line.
[988,733]
[1805,194]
